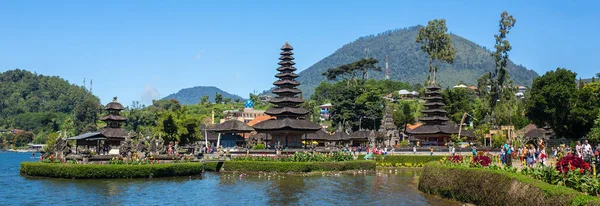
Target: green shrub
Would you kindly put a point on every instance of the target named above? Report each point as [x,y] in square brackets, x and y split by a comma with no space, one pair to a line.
[300,157]
[297,166]
[210,166]
[404,160]
[259,146]
[94,171]
[496,187]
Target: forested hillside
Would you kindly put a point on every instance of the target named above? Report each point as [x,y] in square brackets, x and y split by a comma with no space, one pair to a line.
[194,95]
[44,104]
[408,63]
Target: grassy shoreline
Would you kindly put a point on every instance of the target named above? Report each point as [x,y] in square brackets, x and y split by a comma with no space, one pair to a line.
[495,187]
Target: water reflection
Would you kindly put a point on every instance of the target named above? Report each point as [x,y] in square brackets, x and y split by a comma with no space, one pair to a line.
[396,187]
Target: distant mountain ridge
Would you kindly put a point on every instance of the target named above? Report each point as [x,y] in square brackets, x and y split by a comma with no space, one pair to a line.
[194,94]
[408,63]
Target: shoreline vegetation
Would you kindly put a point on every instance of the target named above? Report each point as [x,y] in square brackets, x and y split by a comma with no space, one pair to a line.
[465,184]
[238,164]
[107,171]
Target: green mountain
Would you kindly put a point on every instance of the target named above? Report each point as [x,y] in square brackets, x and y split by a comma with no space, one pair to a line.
[35,102]
[194,94]
[409,64]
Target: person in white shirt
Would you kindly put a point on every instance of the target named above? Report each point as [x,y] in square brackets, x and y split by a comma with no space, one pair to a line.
[587,149]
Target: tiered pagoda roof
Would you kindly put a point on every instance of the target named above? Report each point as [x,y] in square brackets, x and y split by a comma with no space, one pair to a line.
[289,115]
[114,121]
[434,119]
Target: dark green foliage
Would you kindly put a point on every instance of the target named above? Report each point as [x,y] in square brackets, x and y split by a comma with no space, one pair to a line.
[496,187]
[350,71]
[555,100]
[194,94]
[86,115]
[298,166]
[403,115]
[218,98]
[458,101]
[437,44]
[408,63]
[94,171]
[39,103]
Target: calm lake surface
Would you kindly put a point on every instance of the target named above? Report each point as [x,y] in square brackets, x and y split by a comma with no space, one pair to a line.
[374,188]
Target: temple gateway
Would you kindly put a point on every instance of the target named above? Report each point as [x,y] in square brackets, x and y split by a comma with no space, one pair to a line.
[290,125]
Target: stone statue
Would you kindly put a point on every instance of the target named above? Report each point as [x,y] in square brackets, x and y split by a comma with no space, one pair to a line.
[220,151]
[153,148]
[160,145]
[141,145]
[126,147]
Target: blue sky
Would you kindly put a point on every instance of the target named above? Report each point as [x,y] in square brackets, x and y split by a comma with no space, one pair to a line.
[139,50]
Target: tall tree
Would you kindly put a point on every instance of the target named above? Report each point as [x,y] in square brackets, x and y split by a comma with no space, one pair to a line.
[86,114]
[403,116]
[499,76]
[204,99]
[352,70]
[437,44]
[554,100]
[218,98]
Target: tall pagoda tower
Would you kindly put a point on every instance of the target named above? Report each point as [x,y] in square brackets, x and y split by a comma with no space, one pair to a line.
[113,131]
[290,123]
[437,128]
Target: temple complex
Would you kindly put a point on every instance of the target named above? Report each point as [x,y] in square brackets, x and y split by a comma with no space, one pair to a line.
[111,135]
[436,128]
[290,125]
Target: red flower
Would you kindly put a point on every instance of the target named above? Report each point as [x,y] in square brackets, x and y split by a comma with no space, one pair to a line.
[581,171]
[572,167]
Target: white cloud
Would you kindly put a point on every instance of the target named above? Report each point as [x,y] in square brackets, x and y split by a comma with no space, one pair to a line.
[150,93]
[199,54]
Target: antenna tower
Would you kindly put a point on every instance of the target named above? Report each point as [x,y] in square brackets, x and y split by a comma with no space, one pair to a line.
[387,70]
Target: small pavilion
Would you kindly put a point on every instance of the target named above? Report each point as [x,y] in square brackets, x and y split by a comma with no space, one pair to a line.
[230,133]
[111,135]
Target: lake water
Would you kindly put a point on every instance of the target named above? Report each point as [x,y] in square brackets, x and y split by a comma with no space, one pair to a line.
[375,188]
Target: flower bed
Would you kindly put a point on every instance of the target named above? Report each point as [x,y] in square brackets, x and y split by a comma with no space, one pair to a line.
[95,171]
[265,166]
[570,171]
[485,186]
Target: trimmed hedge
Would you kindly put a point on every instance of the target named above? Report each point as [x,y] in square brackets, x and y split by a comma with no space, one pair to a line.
[256,166]
[495,187]
[403,160]
[94,171]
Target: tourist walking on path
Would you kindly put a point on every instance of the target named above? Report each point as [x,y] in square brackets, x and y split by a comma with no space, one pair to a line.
[474,150]
[587,151]
[414,149]
[530,157]
[543,155]
[507,150]
[431,151]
